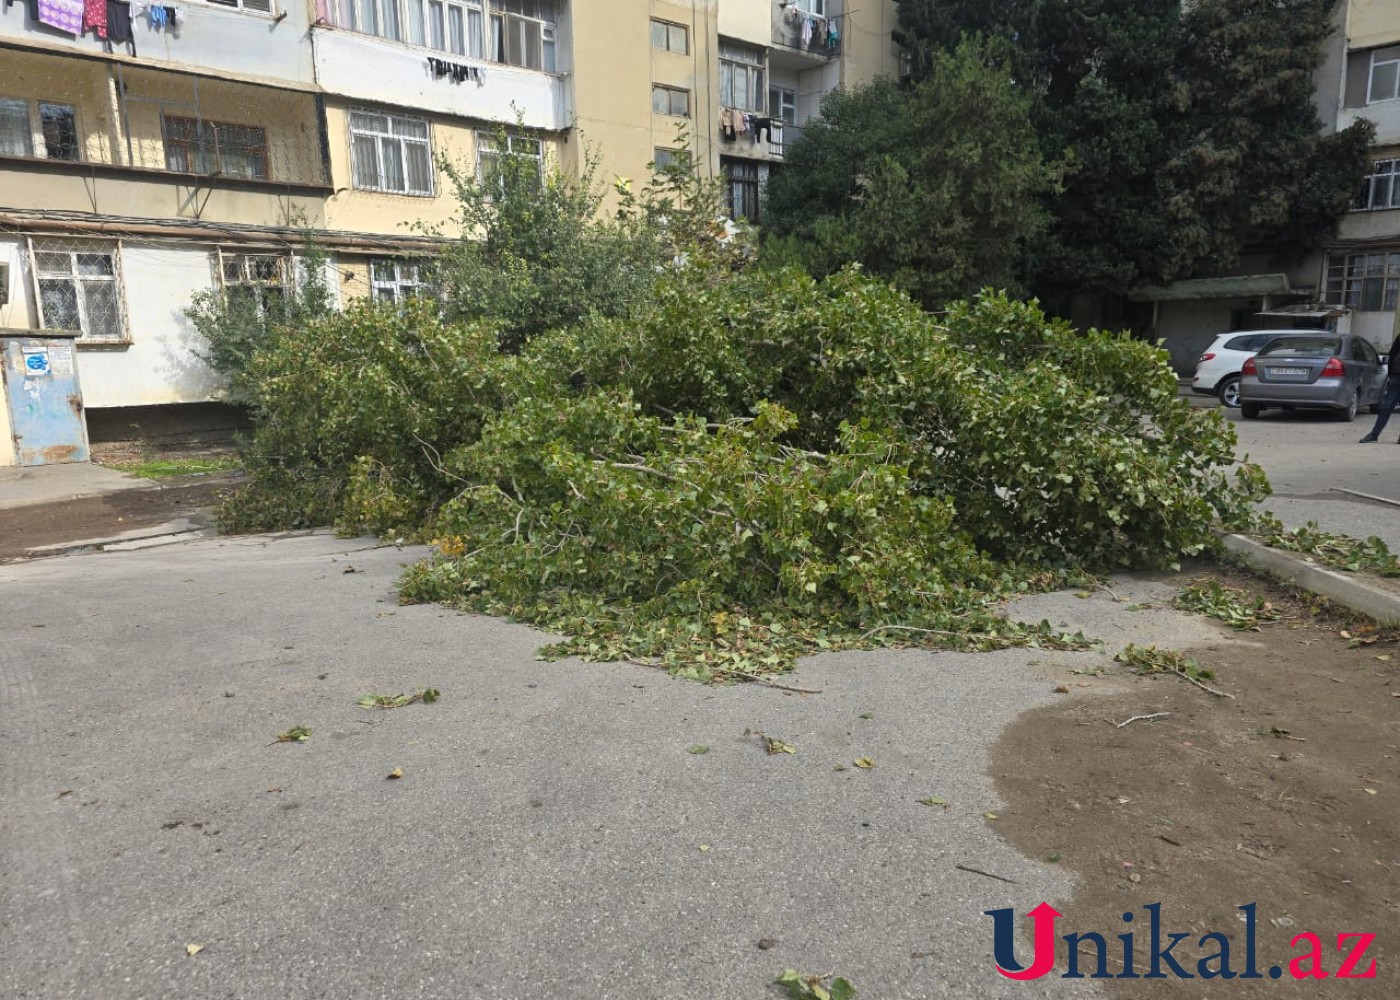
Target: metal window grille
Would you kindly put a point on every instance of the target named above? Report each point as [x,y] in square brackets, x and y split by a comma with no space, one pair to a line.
[490,154]
[195,146]
[396,281]
[77,284]
[390,153]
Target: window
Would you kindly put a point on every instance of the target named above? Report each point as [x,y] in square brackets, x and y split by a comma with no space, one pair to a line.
[1384,81]
[390,153]
[395,280]
[741,182]
[78,291]
[59,125]
[671,159]
[15,138]
[740,76]
[490,155]
[817,7]
[1365,282]
[256,280]
[670,101]
[258,6]
[455,26]
[1380,189]
[782,104]
[58,130]
[193,146]
[670,37]
[522,33]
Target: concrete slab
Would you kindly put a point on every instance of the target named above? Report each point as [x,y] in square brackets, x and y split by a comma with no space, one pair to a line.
[21,487]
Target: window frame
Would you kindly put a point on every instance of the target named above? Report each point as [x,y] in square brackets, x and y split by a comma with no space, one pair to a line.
[736,58]
[399,287]
[205,142]
[27,129]
[484,150]
[261,286]
[499,32]
[247,6]
[36,143]
[380,137]
[667,157]
[1365,282]
[671,93]
[1394,63]
[77,281]
[786,97]
[752,187]
[1366,199]
[669,28]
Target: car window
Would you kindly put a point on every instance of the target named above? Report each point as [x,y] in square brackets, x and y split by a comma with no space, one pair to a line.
[1366,352]
[1306,347]
[1249,343]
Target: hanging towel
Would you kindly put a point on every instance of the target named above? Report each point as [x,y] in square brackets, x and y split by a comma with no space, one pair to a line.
[65,15]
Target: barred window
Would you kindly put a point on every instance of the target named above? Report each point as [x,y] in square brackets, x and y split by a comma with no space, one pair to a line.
[79,290]
[256,281]
[195,146]
[491,155]
[15,138]
[395,280]
[742,189]
[391,153]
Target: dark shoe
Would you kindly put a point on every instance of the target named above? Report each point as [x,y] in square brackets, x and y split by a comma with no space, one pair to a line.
[1370,439]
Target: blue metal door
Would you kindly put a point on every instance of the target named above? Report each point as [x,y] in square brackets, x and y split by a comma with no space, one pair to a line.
[46,403]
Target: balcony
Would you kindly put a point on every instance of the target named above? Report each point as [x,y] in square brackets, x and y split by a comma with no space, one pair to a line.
[802,39]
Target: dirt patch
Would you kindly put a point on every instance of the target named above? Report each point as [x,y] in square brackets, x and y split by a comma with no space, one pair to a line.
[1287,797]
[23,528]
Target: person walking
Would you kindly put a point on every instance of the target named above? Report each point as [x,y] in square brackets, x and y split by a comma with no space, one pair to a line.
[1391,395]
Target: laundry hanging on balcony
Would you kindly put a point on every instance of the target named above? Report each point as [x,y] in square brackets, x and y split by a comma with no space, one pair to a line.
[119,26]
[95,17]
[458,72]
[64,15]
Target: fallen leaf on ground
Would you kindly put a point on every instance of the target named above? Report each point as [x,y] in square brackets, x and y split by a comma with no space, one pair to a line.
[193,949]
[864,763]
[935,800]
[698,749]
[297,734]
[396,773]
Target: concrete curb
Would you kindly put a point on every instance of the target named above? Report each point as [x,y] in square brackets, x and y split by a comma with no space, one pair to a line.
[1343,588]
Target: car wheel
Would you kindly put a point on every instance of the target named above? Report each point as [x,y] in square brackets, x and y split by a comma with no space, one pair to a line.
[1250,411]
[1228,391]
[1353,404]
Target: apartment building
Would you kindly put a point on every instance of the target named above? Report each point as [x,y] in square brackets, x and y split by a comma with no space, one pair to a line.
[150,152]
[1354,281]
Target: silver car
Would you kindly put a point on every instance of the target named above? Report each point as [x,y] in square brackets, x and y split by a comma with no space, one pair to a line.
[1338,372]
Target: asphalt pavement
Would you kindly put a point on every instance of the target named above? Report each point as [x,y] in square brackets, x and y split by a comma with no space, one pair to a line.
[1318,467]
[552,833]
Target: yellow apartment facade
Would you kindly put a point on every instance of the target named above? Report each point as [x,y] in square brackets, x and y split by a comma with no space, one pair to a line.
[163,150]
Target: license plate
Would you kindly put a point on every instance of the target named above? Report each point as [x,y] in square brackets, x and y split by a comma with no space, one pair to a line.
[1288,371]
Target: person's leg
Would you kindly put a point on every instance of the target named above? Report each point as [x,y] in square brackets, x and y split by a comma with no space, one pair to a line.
[1388,401]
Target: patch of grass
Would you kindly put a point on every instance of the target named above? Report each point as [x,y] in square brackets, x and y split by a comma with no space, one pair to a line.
[167,468]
